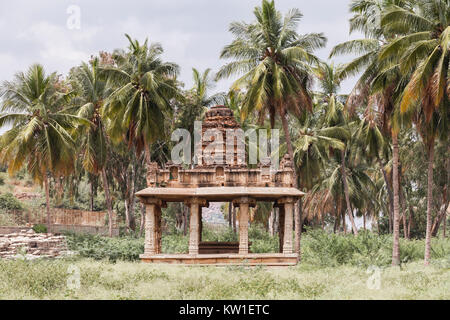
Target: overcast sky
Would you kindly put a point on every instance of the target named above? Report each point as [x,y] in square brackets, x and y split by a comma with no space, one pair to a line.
[192,32]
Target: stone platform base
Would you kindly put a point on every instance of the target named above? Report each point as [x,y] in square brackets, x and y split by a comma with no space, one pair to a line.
[252,259]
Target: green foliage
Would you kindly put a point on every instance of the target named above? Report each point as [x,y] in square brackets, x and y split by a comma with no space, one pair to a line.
[40,228]
[7,220]
[34,279]
[9,202]
[220,235]
[175,243]
[20,175]
[113,249]
[270,58]
[329,249]
[47,279]
[261,240]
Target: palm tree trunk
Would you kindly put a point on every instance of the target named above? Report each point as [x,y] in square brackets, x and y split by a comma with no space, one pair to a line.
[148,157]
[405,229]
[336,219]
[364,221]
[297,218]
[91,201]
[410,221]
[429,203]
[141,227]
[404,209]
[347,193]
[390,194]
[132,219]
[437,221]
[448,190]
[344,225]
[396,231]
[108,200]
[47,201]
[445,223]
[127,214]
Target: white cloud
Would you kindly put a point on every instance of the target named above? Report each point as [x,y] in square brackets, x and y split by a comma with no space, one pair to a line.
[57,46]
[192,32]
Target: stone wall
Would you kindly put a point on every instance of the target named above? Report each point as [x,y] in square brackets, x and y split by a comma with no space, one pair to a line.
[57,228]
[63,216]
[31,245]
[7,230]
[78,221]
[104,230]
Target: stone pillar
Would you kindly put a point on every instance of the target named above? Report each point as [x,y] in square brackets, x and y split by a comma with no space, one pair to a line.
[281,226]
[195,205]
[152,244]
[244,203]
[288,204]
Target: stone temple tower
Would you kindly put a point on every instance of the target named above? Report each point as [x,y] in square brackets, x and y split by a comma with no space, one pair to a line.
[218,126]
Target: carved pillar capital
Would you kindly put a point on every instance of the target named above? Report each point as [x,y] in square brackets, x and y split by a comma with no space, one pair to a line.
[154,201]
[201,202]
[244,200]
[285,200]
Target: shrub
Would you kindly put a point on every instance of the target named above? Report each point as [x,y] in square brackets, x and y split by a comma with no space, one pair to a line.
[40,228]
[7,220]
[175,243]
[9,202]
[98,247]
[367,248]
[262,241]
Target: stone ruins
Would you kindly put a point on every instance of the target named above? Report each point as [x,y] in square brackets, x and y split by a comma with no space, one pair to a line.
[31,245]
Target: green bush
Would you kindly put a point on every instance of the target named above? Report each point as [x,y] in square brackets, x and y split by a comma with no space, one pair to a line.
[224,234]
[367,248]
[175,243]
[98,247]
[7,220]
[40,228]
[319,248]
[9,202]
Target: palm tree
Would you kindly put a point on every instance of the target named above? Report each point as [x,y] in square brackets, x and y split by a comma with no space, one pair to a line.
[142,88]
[203,82]
[334,116]
[40,135]
[421,48]
[312,150]
[374,145]
[92,138]
[197,100]
[275,62]
[379,82]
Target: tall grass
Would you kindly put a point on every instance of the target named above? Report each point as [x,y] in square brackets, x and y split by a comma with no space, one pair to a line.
[45,279]
[319,248]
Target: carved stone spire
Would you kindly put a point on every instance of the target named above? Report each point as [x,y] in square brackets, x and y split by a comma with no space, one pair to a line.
[219,121]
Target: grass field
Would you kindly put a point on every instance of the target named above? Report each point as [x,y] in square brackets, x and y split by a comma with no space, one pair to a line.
[334,266]
[134,280]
